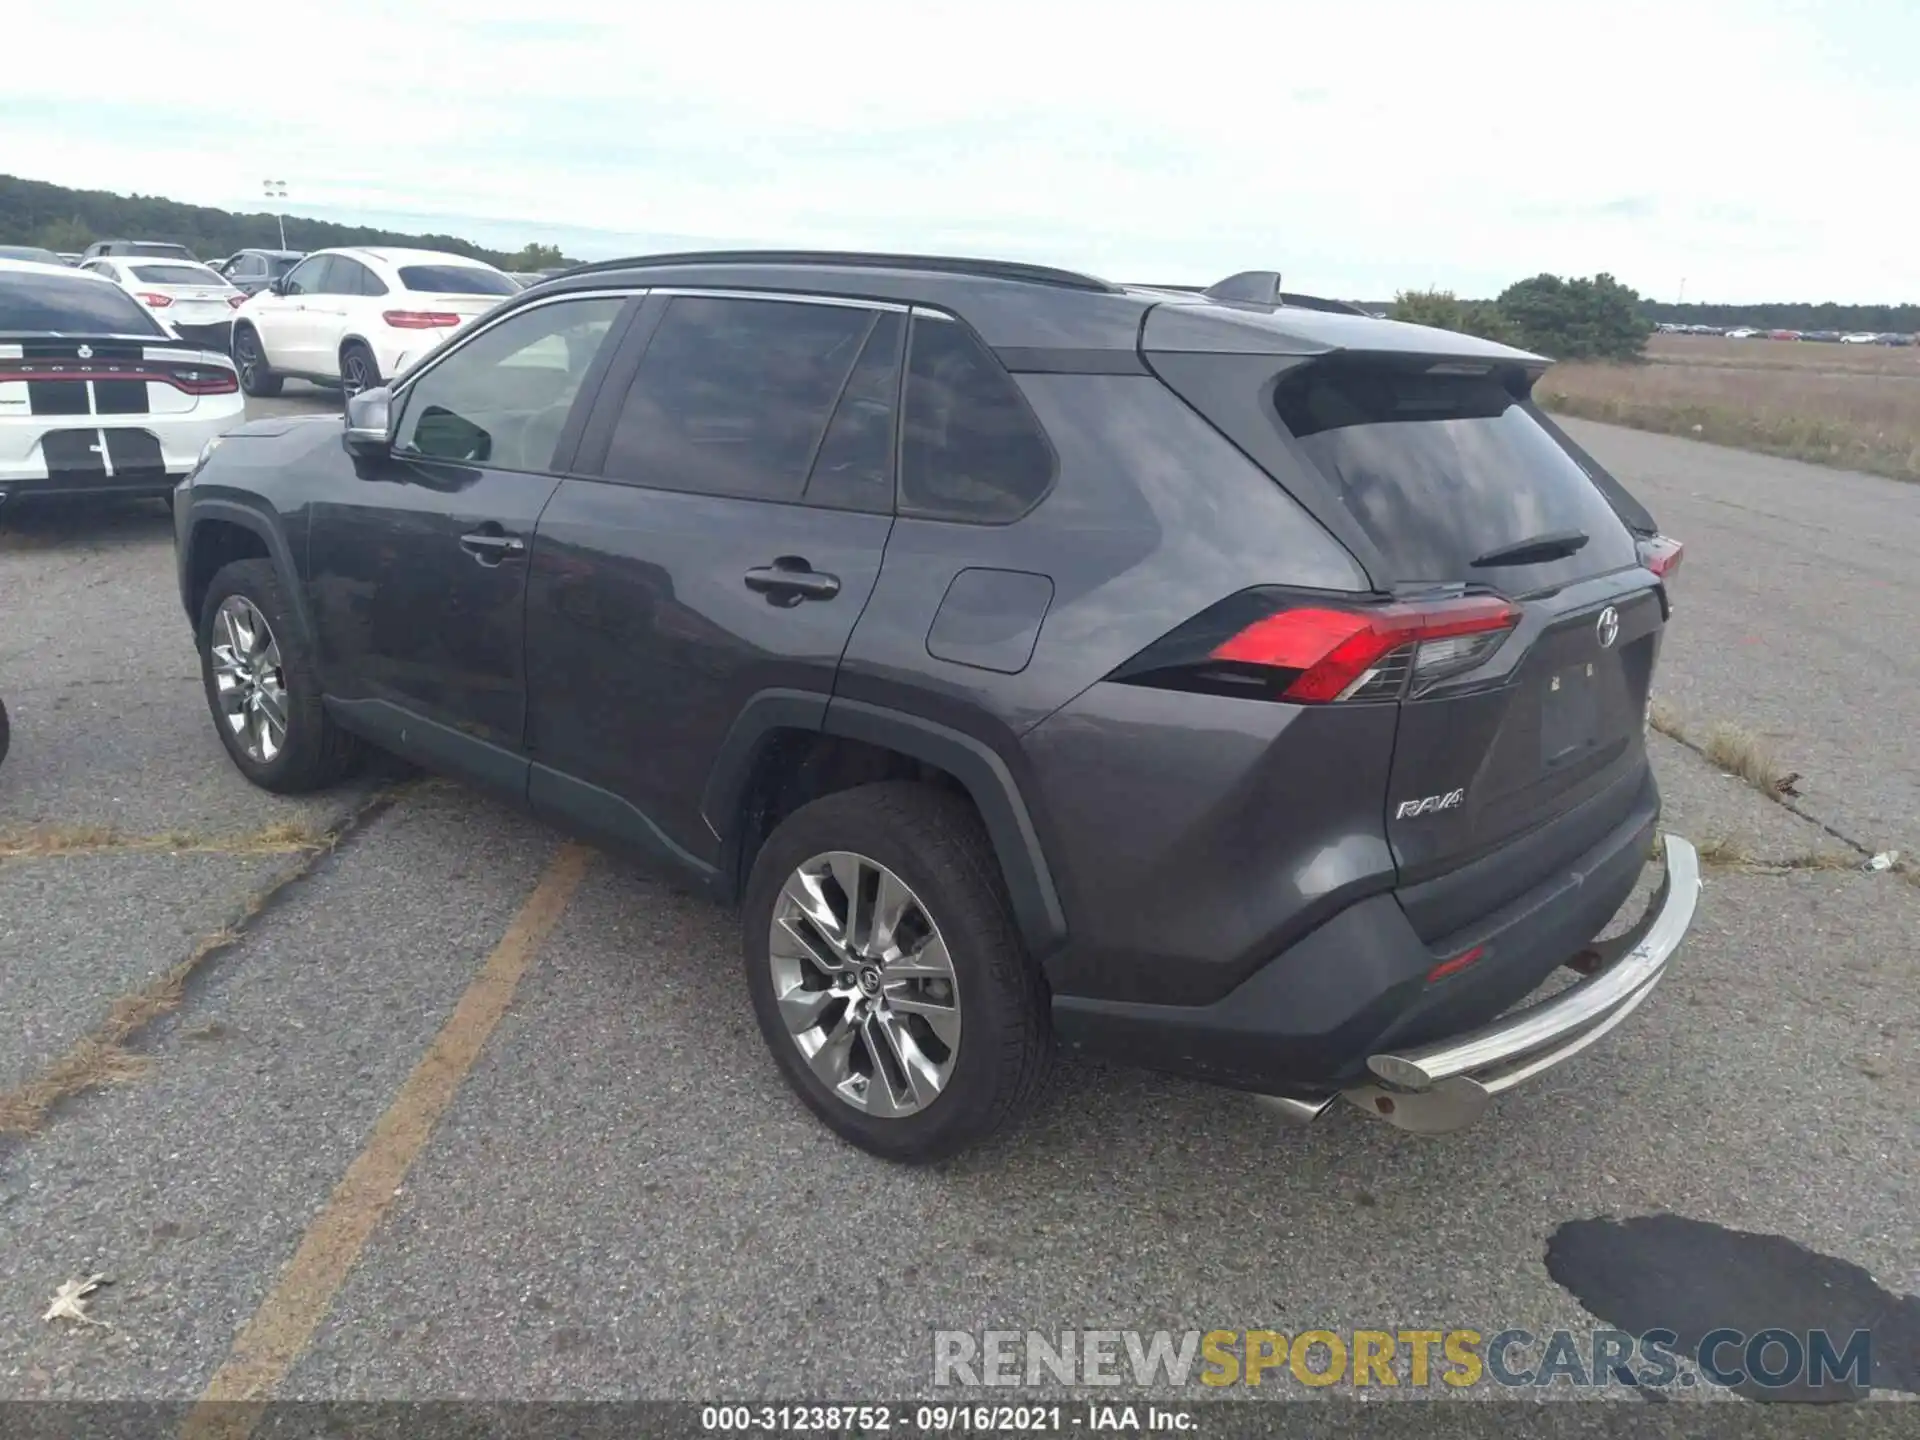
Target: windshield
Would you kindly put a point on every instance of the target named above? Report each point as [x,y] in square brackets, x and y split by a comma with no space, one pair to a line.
[1440,470]
[456,280]
[176,275]
[36,304]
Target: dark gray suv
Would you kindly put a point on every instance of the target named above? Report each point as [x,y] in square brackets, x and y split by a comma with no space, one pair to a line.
[1221,682]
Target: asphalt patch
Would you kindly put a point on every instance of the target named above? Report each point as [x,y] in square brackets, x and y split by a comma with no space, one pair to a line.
[1666,1272]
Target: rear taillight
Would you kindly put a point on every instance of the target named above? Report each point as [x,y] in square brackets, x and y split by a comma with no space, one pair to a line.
[208,381]
[1661,554]
[158,302]
[1316,654]
[419,319]
[236,301]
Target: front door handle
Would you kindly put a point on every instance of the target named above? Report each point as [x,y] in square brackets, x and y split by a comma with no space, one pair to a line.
[490,544]
[789,580]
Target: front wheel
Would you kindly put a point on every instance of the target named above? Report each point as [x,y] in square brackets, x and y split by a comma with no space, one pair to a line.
[887,975]
[262,686]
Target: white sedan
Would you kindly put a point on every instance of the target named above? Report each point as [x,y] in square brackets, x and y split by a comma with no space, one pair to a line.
[96,396]
[193,300]
[358,316]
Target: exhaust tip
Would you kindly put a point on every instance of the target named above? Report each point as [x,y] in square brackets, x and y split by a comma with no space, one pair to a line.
[1296,1112]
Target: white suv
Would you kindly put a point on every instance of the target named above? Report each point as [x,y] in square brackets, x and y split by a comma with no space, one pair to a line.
[358,316]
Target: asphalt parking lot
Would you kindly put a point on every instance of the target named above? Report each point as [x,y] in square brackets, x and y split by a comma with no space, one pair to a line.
[417,1099]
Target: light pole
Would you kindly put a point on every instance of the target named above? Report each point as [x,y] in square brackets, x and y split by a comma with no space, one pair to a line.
[277,190]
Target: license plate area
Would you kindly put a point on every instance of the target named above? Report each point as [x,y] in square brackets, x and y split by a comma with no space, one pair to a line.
[1569,714]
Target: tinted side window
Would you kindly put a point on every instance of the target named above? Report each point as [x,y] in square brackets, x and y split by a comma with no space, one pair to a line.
[247,267]
[310,277]
[502,398]
[350,277]
[854,470]
[732,396]
[973,450]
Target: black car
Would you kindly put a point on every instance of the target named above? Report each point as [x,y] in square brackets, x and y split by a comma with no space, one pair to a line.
[1249,690]
[254,270]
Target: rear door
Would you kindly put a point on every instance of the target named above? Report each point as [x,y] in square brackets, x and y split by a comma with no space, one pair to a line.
[727,526]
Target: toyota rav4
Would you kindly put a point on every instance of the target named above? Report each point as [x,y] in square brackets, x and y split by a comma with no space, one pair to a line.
[1225,682]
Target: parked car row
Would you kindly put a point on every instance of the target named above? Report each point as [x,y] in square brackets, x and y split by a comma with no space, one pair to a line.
[1749,332]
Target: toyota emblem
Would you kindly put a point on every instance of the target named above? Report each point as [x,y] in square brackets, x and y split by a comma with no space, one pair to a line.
[1608,627]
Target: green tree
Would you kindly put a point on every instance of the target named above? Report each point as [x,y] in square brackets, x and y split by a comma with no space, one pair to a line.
[1578,319]
[535,256]
[1443,310]
[69,236]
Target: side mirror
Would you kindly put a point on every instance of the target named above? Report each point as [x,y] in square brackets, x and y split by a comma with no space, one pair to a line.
[370,422]
[279,286]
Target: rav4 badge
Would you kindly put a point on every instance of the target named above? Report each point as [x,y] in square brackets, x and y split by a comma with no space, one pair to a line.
[1429,805]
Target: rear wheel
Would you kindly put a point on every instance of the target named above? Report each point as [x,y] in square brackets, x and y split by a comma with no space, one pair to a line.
[887,975]
[250,359]
[262,687]
[358,369]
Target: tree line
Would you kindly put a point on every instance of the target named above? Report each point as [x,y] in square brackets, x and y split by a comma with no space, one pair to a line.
[33,212]
[1789,315]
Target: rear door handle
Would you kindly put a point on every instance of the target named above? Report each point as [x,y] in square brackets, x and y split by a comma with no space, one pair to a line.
[789,580]
[490,544]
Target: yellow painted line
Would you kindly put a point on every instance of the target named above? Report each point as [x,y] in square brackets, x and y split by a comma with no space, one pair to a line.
[280,1330]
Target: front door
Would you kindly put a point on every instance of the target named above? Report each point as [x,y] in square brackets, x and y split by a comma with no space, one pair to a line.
[418,566]
[743,450]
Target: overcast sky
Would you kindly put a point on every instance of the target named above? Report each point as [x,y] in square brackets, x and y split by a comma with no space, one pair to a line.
[1752,149]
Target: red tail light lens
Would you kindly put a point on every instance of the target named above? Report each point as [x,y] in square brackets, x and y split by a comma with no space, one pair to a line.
[1338,652]
[236,301]
[158,302]
[1265,645]
[208,381]
[1456,964]
[419,319]
[1661,554]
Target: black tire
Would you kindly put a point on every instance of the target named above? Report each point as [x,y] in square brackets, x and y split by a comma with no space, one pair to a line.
[358,369]
[250,359]
[934,841]
[316,753]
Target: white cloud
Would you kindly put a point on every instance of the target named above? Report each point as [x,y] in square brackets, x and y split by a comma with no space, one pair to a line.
[1755,148]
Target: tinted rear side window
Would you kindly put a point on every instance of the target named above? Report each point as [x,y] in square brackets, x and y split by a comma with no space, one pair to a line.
[854,470]
[972,449]
[455,280]
[733,396]
[55,304]
[1441,470]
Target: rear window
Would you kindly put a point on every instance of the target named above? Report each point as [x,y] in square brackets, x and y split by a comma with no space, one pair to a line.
[1442,469]
[175,275]
[456,280]
[56,305]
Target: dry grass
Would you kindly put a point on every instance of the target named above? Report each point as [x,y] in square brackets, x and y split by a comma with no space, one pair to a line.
[1854,406]
[1731,852]
[1743,754]
[42,842]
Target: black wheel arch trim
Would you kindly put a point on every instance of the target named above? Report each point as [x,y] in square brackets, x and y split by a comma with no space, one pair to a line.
[982,772]
[204,509]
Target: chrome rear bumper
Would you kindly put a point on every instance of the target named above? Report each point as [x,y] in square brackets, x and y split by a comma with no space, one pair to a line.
[1448,1085]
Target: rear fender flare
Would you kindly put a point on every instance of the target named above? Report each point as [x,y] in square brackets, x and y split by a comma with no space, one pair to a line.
[980,770]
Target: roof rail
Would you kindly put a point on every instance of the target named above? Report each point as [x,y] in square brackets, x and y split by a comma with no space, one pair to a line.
[945,264]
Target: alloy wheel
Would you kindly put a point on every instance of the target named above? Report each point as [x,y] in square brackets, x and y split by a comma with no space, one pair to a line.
[247,355]
[356,373]
[248,680]
[865,985]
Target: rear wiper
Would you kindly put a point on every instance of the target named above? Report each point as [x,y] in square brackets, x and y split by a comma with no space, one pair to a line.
[1541,548]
